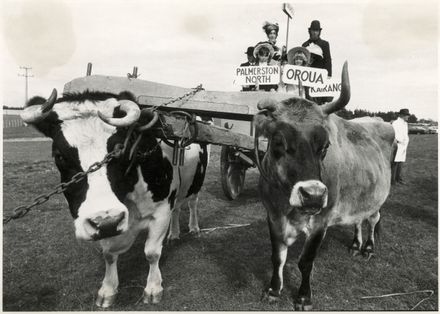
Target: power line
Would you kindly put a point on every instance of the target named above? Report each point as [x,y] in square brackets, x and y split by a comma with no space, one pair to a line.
[26,76]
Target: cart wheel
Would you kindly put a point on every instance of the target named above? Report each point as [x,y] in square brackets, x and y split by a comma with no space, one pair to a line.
[233,172]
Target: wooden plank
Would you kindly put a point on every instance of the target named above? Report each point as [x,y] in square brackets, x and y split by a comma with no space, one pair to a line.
[174,127]
[215,104]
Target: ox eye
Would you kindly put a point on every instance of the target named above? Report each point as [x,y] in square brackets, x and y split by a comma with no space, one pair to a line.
[280,146]
[58,157]
[323,150]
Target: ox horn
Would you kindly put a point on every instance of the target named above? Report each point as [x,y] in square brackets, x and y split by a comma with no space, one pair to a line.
[151,122]
[37,113]
[131,110]
[343,99]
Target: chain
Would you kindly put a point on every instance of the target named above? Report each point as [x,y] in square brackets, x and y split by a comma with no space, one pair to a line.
[195,90]
[21,211]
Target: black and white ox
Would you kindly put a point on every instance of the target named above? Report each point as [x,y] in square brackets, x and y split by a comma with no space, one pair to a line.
[119,200]
[320,170]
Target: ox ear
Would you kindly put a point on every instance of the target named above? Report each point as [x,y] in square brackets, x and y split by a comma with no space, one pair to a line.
[268,104]
[264,121]
[343,99]
[38,113]
[264,124]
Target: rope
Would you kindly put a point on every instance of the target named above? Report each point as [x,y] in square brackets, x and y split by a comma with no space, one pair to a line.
[431,293]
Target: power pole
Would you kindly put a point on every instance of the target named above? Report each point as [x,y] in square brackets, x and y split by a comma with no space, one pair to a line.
[26,76]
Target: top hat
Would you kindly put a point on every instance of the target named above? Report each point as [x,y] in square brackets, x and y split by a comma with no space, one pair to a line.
[404,112]
[261,45]
[250,51]
[298,51]
[315,26]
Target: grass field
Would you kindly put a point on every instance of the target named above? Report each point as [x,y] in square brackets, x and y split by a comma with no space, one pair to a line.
[46,269]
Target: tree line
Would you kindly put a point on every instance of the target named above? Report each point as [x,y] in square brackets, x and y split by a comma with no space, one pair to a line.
[386,116]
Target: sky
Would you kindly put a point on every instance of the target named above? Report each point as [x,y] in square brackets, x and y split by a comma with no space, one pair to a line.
[391,46]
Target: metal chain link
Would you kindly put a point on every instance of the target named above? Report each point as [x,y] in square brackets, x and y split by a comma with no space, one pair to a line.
[21,211]
[195,90]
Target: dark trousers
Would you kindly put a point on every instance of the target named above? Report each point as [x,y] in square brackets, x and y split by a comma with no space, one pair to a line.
[396,174]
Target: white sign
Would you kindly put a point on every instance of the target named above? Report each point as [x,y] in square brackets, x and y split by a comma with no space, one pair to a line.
[264,75]
[308,76]
[287,8]
[331,88]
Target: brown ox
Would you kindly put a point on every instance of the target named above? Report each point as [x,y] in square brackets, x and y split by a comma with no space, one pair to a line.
[320,170]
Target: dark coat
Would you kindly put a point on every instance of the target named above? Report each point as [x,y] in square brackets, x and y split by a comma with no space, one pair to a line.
[247,88]
[247,64]
[324,62]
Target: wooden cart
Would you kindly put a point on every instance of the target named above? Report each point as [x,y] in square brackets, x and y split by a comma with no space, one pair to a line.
[237,153]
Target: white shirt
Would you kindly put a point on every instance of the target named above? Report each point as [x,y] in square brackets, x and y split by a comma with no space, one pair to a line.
[315,49]
[402,138]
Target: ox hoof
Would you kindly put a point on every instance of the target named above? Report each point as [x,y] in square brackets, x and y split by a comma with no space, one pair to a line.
[173,241]
[270,296]
[368,252]
[354,252]
[153,298]
[303,304]
[195,232]
[105,301]
[369,255]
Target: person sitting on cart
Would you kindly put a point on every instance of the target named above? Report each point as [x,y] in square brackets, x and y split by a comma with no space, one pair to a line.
[263,53]
[251,62]
[299,56]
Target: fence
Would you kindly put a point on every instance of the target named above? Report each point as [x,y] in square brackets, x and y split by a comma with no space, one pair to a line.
[12,122]
[11,118]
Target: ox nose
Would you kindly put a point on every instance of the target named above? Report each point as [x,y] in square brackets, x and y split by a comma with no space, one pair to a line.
[310,196]
[105,225]
[313,195]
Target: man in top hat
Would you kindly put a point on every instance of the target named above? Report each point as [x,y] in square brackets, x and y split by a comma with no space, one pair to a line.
[250,56]
[251,62]
[318,48]
[320,54]
[400,126]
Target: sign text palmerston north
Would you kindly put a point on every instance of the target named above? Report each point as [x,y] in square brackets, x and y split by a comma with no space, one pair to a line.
[263,75]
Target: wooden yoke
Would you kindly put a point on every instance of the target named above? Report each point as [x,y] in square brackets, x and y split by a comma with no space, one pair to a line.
[175,128]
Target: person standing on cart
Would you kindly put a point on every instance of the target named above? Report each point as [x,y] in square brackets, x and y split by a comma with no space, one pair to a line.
[320,53]
[271,30]
[252,61]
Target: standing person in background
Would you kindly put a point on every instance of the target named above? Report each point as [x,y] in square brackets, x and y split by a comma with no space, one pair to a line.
[401,133]
[271,30]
